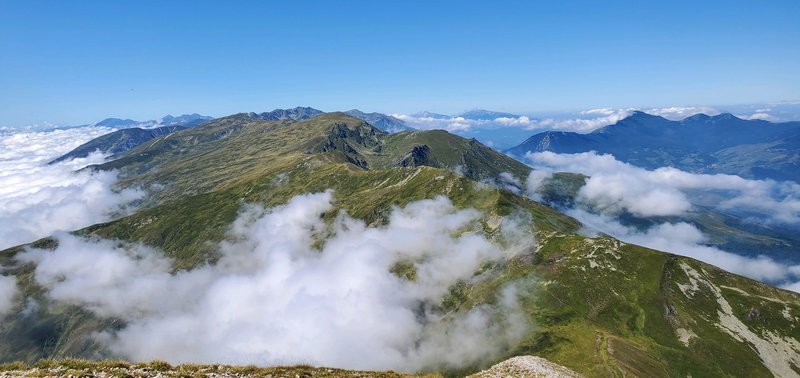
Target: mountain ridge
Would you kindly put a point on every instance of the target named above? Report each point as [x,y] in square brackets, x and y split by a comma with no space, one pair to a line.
[699,143]
[381,121]
[598,304]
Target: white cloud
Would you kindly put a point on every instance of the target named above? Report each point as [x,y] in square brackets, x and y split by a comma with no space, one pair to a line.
[536,181]
[600,111]
[614,186]
[685,239]
[274,298]
[758,115]
[582,122]
[677,113]
[8,290]
[603,117]
[431,123]
[37,199]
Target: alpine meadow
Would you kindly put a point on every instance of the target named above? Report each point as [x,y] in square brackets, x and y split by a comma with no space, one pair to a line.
[330,197]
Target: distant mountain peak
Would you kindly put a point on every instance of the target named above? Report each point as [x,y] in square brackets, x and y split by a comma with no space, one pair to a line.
[427,114]
[486,115]
[296,113]
[700,143]
[381,121]
[117,122]
[169,119]
[725,117]
[638,114]
[697,117]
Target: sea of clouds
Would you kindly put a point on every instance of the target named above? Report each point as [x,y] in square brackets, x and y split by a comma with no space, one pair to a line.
[614,187]
[592,119]
[583,122]
[278,296]
[37,199]
[287,289]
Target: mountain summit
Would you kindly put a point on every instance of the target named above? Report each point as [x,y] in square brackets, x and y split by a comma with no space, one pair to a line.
[293,114]
[486,115]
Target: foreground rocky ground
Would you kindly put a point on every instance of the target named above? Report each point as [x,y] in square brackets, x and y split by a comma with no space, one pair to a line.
[120,369]
[526,366]
[522,366]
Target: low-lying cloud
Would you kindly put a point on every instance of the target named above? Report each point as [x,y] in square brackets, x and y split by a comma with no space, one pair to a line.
[614,187]
[290,288]
[592,119]
[685,239]
[8,290]
[37,199]
[677,113]
[581,122]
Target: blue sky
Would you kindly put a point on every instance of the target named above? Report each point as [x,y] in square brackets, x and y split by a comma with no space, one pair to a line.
[75,62]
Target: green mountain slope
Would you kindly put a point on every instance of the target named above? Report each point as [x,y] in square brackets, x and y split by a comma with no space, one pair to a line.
[600,307]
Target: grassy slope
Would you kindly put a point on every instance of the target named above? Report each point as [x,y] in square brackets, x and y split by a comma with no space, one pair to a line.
[600,307]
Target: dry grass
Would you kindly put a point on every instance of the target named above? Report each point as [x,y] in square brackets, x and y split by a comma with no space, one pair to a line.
[120,369]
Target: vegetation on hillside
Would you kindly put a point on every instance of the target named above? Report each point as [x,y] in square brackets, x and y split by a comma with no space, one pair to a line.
[599,306]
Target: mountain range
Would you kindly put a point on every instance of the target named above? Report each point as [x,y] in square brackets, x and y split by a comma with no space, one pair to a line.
[133,134]
[381,121]
[486,115]
[599,306]
[723,143]
[185,120]
[137,132]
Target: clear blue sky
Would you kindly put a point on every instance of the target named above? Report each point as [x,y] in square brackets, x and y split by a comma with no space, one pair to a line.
[71,62]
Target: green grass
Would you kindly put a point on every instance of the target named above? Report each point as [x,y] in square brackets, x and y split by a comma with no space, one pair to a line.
[596,306]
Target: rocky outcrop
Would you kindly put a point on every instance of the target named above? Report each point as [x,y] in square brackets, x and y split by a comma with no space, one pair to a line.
[526,366]
[419,155]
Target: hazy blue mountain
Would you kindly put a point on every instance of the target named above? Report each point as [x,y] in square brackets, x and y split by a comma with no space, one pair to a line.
[117,122]
[184,119]
[381,121]
[187,120]
[427,114]
[499,138]
[294,114]
[118,141]
[122,140]
[706,144]
[486,115]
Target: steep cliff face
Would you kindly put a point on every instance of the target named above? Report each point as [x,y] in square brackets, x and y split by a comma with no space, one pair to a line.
[419,155]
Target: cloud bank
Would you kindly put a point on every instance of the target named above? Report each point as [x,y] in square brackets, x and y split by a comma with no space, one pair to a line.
[592,119]
[614,187]
[291,289]
[8,290]
[37,199]
[582,122]
[677,113]
[687,240]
